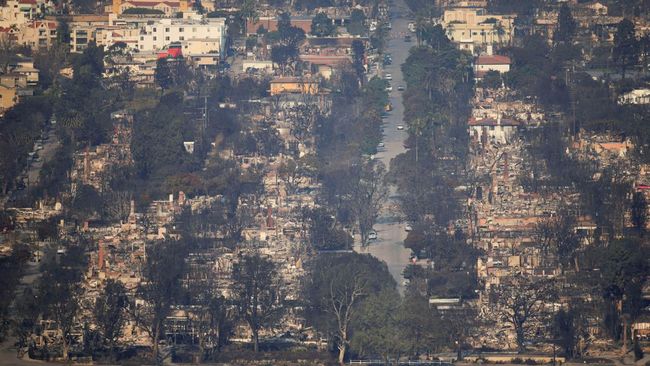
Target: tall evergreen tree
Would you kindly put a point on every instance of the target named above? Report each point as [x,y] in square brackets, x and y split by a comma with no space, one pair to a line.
[627,49]
[566,26]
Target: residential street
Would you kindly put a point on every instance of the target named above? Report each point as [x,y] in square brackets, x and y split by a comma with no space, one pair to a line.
[389,245]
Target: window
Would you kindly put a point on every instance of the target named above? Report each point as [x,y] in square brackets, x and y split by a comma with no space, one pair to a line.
[181,38]
[154,29]
[166,29]
[141,38]
[181,29]
[193,30]
[155,38]
[167,38]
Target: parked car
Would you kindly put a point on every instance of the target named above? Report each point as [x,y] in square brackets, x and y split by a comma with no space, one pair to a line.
[372,235]
[400,127]
[408,228]
[400,87]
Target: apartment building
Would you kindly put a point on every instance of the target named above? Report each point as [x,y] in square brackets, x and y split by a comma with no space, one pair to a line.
[18,12]
[38,34]
[475,29]
[197,36]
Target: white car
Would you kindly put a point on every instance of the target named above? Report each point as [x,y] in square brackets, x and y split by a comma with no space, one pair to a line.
[389,88]
[388,76]
[400,127]
[408,228]
[372,235]
[381,144]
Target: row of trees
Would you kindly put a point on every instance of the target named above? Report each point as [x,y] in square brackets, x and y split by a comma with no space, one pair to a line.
[353,183]
[352,299]
[168,281]
[436,105]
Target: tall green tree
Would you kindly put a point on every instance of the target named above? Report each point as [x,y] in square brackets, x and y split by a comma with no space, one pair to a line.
[377,327]
[60,290]
[63,32]
[161,287]
[522,302]
[368,196]
[639,211]
[626,49]
[257,293]
[624,270]
[357,23]
[421,327]
[358,58]
[110,313]
[335,291]
[322,26]
[566,26]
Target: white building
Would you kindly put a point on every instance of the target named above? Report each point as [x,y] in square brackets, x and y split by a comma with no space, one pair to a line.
[474,29]
[485,63]
[492,130]
[19,12]
[637,96]
[197,36]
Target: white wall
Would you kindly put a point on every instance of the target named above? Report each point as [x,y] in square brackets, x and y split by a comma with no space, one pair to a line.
[165,31]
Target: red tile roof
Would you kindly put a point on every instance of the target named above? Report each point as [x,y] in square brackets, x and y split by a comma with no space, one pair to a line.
[153,3]
[493,60]
[38,24]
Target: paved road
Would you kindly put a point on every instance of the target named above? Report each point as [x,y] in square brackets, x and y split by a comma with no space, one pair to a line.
[389,245]
[33,171]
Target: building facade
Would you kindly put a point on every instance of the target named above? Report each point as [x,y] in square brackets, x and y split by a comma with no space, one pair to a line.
[197,36]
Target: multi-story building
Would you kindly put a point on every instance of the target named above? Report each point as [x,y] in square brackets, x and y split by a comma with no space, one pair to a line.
[38,34]
[83,30]
[18,12]
[475,29]
[197,36]
[167,7]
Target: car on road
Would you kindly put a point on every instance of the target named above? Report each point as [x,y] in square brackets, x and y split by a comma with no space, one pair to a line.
[388,76]
[400,87]
[389,88]
[408,228]
[400,127]
[381,144]
[372,235]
